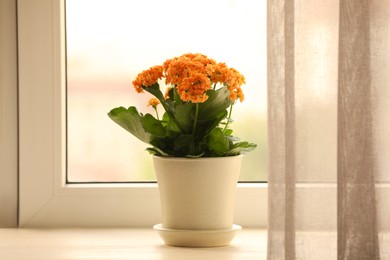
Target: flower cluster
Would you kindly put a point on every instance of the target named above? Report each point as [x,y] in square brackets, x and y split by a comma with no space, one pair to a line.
[193,75]
[198,103]
[148,78]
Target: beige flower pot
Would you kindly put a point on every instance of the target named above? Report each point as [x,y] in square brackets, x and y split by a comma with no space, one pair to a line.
[197,199]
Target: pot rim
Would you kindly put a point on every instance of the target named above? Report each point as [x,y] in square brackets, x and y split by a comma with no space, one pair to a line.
[173,158]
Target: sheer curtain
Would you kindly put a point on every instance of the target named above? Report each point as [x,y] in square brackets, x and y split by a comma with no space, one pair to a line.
[329,129]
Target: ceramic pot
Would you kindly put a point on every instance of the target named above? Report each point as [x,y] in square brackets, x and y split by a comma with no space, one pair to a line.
[197,194]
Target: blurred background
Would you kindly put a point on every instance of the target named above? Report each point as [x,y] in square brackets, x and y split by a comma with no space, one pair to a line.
[110,41]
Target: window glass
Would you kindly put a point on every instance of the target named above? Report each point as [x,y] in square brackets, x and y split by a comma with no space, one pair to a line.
[110,41]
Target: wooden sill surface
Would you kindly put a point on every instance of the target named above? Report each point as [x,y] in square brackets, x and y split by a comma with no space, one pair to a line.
[120,243]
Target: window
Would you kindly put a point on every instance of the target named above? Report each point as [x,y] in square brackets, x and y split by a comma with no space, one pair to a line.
[107,46]
[45,197]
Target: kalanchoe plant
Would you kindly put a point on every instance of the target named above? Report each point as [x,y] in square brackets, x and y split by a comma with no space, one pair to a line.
[198,105]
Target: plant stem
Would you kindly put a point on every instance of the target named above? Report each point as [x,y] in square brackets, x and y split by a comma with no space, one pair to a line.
[229,116]
[196,118]
[158,118]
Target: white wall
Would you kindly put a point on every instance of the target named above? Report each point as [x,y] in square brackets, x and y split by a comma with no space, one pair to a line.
[8,115]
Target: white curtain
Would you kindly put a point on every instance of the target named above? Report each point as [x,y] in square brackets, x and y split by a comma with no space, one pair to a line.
[329,129]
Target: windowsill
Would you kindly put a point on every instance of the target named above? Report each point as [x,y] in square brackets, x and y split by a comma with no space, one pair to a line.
[119,243]
[256,185]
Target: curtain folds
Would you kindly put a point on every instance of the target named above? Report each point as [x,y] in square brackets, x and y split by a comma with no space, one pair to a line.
[357,228]
[329,129]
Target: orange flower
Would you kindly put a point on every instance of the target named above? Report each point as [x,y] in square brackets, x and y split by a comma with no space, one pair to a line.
[221,73]
[210,69]
[192,74]
[234,82]
[236,79]
[166,65]
[147,78]
[178,68]
[200,58]
[154,102]
[236,93]
[194,88]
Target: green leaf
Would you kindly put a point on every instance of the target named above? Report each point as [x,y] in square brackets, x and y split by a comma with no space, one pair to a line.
[217,119]
[195,156]
[217,141]
[155,91]
[171,94]
[232,138]
[241,147]
[156,151]
[183,142]
[184,116]
[228,132]
[172,127]
[153,126]
[165,119]
[205,127]
[130,120]
[217,102]
[172,136]
[177,97]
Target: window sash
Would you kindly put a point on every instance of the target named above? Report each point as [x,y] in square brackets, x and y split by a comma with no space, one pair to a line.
[45,198]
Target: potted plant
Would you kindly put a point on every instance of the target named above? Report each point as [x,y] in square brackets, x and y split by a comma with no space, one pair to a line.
[196,157]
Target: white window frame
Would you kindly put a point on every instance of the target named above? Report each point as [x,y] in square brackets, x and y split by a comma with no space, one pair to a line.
[45,200]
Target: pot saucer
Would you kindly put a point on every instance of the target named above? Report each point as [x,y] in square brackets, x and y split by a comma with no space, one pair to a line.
[197,238]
